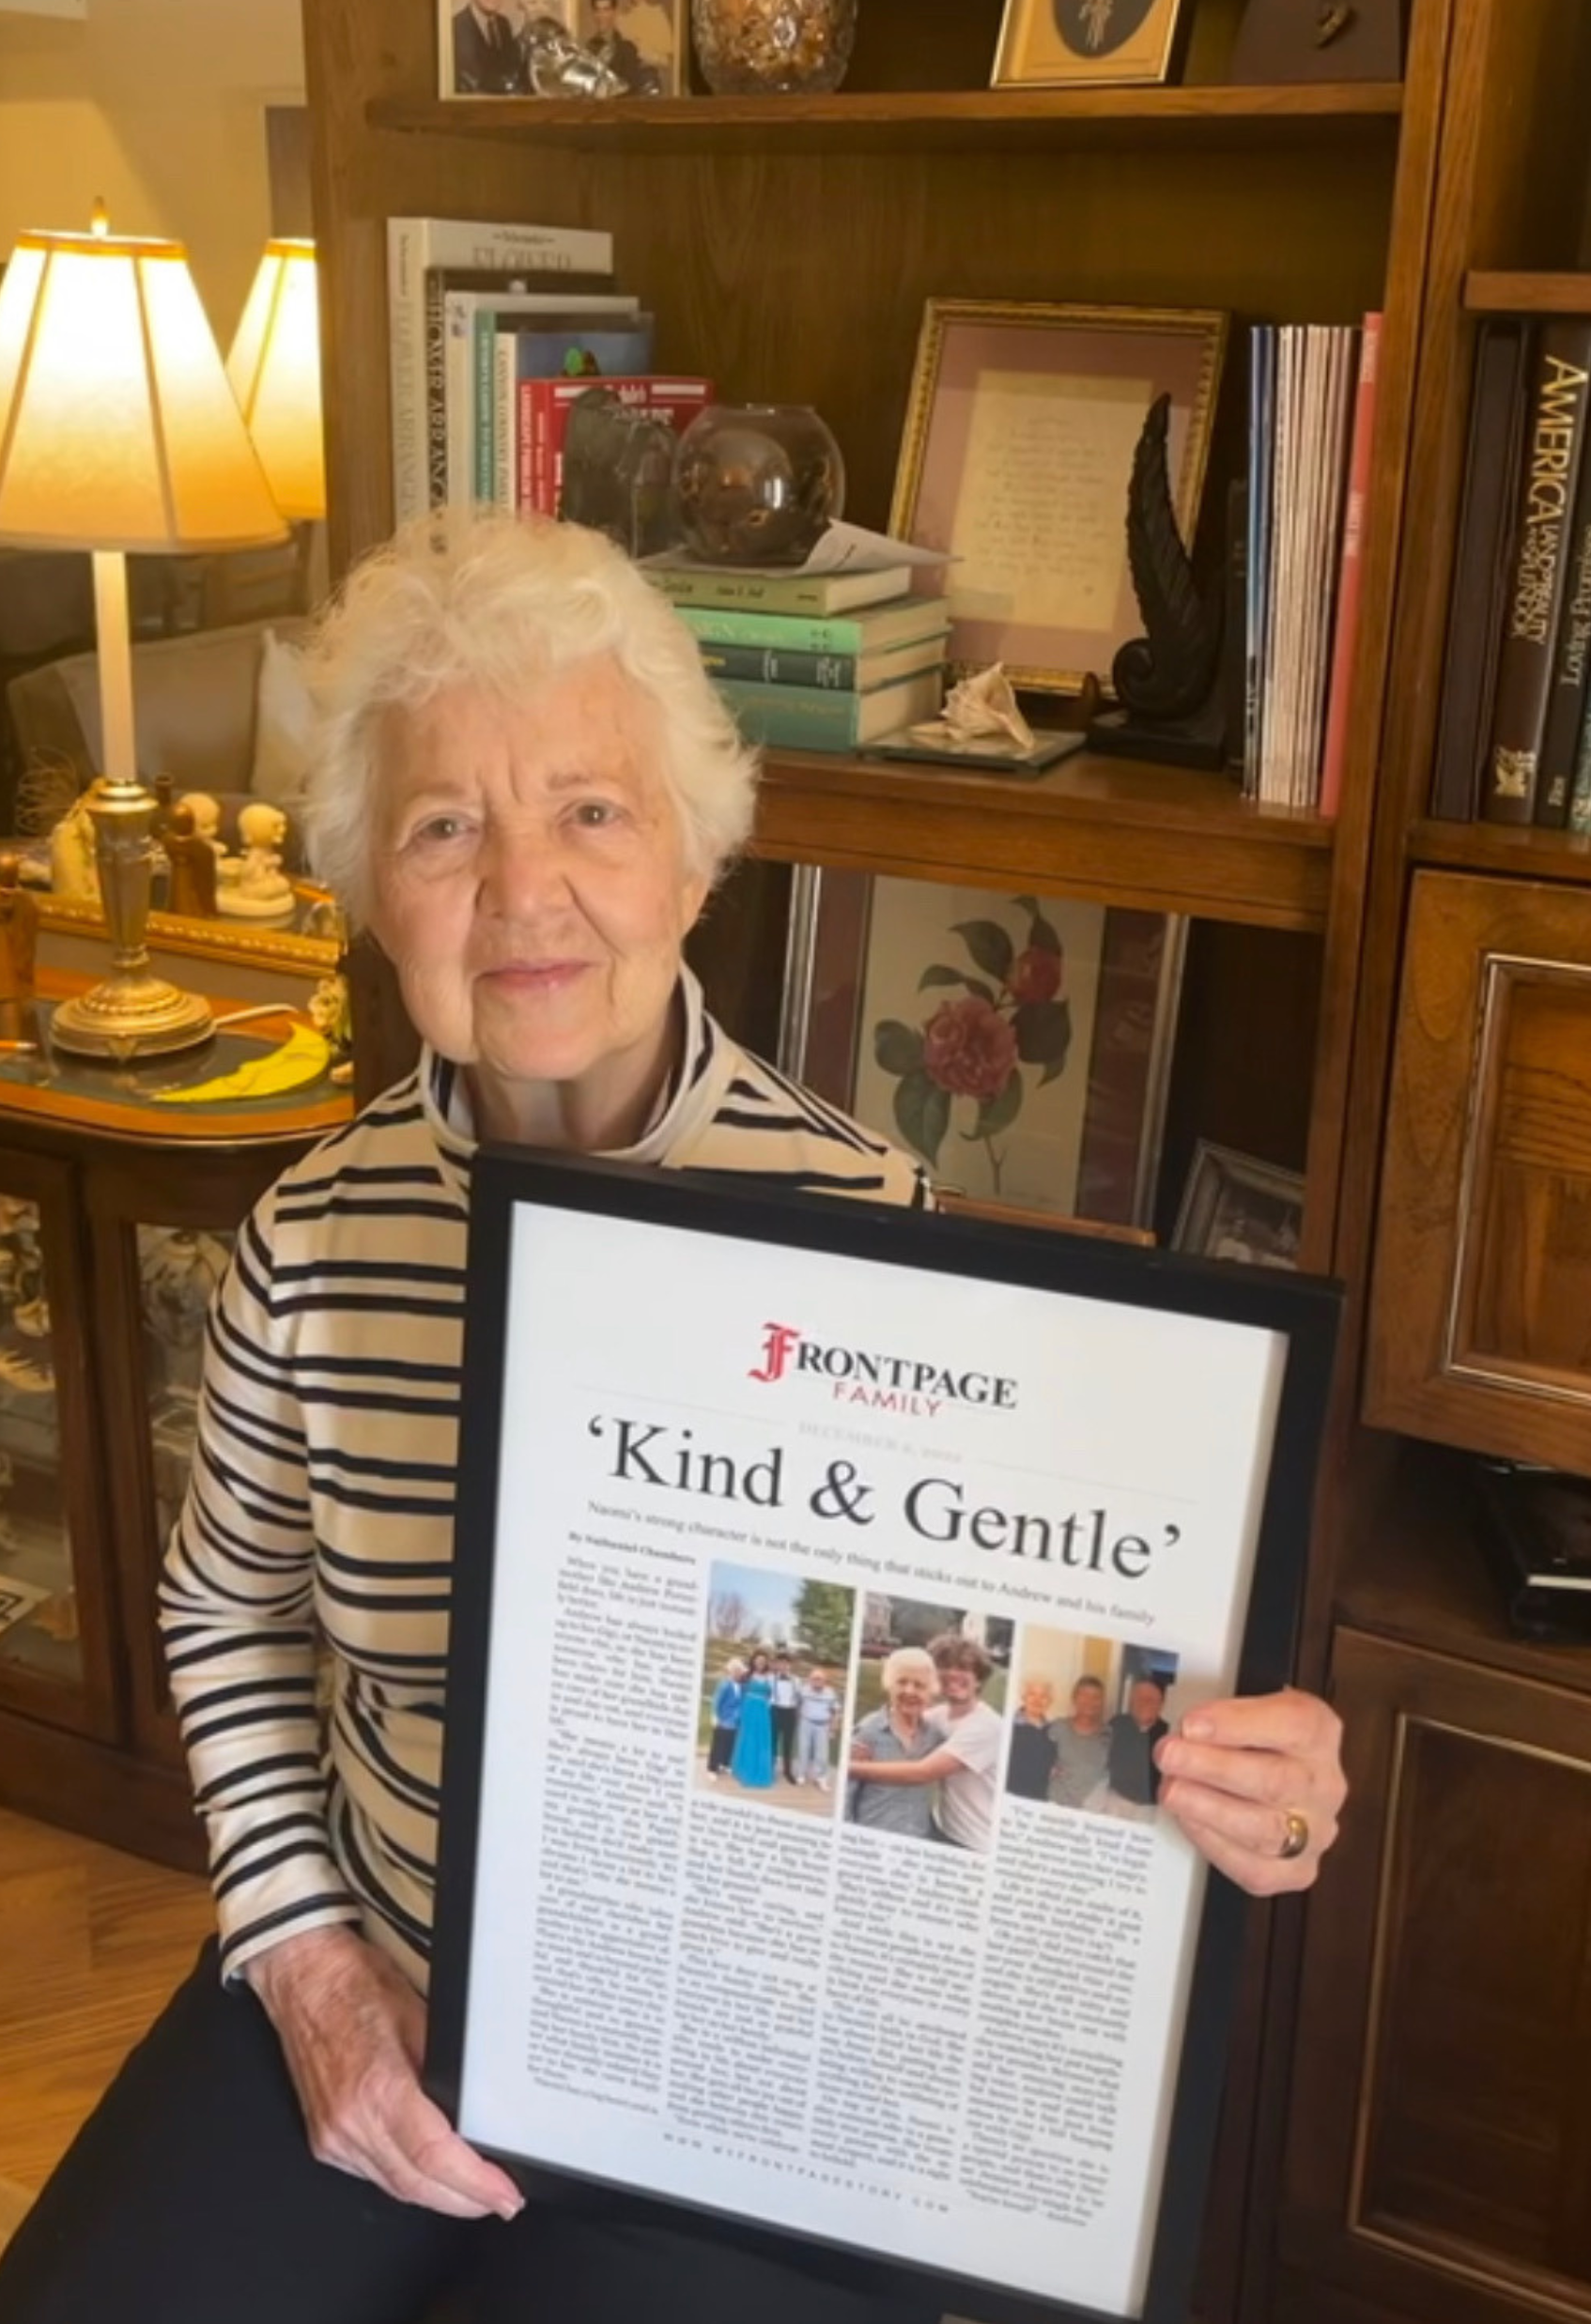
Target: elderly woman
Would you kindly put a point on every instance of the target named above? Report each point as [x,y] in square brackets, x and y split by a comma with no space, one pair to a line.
[526,787]
[897,1734]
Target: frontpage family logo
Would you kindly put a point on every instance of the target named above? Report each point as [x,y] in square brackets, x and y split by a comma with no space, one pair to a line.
[902,1384]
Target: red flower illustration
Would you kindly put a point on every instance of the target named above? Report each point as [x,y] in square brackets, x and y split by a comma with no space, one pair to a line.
[969,1049]
[1035,976]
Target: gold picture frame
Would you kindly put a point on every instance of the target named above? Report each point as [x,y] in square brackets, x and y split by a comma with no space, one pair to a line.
[1020,432]
[1051,44]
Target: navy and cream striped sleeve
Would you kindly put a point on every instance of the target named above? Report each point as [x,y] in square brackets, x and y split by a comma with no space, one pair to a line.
[236,1614]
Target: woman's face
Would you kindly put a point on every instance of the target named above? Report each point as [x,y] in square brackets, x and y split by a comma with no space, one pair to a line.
[911,1691]
[529,880]
[1036,1699]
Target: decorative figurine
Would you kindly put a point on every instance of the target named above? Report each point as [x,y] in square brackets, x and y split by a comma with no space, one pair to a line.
[1168,681]
[260,889]
[191,859]
[74,868]
[207,818]
[19,936]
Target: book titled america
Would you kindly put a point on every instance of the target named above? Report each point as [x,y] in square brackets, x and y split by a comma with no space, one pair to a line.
[1554,446]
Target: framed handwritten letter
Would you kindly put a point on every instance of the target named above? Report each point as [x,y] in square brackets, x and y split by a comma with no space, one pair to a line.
[1018,449]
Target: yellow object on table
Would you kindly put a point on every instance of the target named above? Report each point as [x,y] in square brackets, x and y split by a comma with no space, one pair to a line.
[303,1056]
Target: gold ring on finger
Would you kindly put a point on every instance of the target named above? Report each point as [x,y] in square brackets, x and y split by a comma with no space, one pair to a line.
[1296,1837]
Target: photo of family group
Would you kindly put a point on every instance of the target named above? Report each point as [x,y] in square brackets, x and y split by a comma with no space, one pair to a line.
[774,1675]
[924,1756]
[1087,1714]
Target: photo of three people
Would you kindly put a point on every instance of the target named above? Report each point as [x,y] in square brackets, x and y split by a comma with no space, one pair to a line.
[541,48]
[1090,1713]
[774,1672]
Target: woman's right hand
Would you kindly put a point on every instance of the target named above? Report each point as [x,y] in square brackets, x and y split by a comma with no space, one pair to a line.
[353,2031]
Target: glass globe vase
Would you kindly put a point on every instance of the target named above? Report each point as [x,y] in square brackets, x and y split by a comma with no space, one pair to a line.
[756,483]
[748,48]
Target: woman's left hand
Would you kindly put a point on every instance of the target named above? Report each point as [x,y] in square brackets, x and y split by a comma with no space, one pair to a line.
[1245,1776]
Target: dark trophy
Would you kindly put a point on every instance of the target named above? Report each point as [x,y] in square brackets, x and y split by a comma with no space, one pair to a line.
[1168,681]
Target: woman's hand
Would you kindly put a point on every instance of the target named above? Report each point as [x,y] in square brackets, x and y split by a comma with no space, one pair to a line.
[1238,1775]
[353,2031]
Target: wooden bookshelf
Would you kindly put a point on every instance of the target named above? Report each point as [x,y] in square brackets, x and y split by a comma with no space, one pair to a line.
[1112,829]
[926,120]
[1527,293]
[1518,848]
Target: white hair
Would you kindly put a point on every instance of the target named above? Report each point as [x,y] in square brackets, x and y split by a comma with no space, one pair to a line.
[908,1660]
[479,598]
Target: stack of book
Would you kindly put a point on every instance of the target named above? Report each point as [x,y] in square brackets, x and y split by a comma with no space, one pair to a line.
[1514,744]
[494,331]
[814,661]
[1312,415]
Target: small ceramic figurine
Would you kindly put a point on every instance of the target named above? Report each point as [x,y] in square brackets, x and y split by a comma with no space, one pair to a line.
[261,889]
[74,868]
[207,818]
[18,934]
[193,868]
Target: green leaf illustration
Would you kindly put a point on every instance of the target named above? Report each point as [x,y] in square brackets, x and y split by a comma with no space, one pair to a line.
[989,946]
[896,1047]
[998,1112]
[939,974]
[923,1114]
[1044,1035]
[1042,935]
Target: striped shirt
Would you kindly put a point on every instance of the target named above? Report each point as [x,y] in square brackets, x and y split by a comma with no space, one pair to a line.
[317,1535]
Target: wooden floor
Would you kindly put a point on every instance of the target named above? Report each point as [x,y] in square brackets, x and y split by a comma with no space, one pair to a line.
[92,1943]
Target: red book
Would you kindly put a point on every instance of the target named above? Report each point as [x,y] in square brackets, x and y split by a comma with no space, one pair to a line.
[544,416]
[1350,571]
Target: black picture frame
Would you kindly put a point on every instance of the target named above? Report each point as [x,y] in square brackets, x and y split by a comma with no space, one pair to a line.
[1302,1309]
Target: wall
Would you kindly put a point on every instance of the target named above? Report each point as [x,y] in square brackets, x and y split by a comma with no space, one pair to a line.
[157,105]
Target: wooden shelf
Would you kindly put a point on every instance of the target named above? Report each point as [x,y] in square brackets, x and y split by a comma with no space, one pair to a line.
[1418,1574]
[939,119]
[1527,293]
[1520,849]
[1111,829]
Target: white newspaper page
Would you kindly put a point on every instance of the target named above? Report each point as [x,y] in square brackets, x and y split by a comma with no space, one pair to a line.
[839,1608]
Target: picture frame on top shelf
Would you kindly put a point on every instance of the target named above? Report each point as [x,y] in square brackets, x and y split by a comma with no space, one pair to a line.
[561,48]
[1021,429]
[1236,1206]
[1020,1047]
[1051,44]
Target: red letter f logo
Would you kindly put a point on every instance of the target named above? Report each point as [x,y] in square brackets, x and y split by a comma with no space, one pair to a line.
[779,1345]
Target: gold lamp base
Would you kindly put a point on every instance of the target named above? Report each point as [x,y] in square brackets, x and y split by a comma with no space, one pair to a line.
[130,1016]
[133,1012]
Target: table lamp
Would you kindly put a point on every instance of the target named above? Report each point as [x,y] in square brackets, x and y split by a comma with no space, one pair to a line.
[118,432]
[275,368]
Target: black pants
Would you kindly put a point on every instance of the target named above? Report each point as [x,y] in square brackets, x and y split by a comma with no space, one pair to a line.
[720,1750]
[784,1738]
[191,2195]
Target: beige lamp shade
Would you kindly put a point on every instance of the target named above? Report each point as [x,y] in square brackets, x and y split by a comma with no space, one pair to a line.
[117,427]
[275,368]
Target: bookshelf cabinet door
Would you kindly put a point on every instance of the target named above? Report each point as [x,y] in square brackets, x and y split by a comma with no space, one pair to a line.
[1439,2145]
[1480,1322]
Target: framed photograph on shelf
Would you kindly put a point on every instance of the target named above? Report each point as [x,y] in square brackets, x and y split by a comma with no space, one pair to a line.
[1048,44]
[1020,1046]
[1236,1206]
[561,48]
[781,1465]
[1020,433]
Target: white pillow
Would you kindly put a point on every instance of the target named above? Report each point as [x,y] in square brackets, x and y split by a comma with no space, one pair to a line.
[283,725]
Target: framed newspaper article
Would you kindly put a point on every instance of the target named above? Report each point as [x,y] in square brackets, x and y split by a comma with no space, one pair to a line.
[825,1576]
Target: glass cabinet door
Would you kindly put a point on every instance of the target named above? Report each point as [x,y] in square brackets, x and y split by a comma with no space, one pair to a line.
[179,1269]
[54,1648]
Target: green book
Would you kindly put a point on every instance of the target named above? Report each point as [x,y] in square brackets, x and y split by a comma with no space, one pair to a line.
[810,718]
[900,622]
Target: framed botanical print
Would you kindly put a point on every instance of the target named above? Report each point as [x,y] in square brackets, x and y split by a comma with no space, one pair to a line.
[1021,429]
[1020,1046]
[1064,44]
